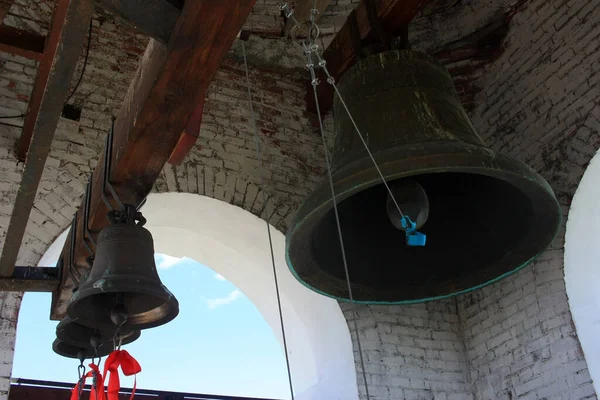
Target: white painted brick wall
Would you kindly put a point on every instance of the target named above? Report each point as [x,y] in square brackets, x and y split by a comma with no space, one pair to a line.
[411,352]
[539,104]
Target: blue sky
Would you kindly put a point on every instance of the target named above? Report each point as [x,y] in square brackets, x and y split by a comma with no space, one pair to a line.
[219,343]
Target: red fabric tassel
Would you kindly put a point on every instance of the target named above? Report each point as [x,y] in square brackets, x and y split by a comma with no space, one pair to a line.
[129,366]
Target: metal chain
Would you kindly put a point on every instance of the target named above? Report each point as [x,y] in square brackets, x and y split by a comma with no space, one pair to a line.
[81,373]
[262,186]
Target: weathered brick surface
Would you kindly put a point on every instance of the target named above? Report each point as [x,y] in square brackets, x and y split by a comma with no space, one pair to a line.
[410,352]
[224,163]
[9,312]
[538,104]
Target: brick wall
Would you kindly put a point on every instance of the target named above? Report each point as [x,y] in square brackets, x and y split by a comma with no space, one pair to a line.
[538,103]
[411,352]
[224,163]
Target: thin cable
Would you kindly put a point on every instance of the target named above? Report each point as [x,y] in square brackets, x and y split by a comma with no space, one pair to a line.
[85,61]
[262,185]
[315,82]
[331,81]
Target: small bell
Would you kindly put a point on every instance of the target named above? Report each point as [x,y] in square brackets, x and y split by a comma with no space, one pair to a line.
[69,332]
[123,287]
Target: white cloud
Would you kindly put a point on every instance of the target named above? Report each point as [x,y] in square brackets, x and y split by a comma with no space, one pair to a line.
[220,277]
[221,301]
[166,262]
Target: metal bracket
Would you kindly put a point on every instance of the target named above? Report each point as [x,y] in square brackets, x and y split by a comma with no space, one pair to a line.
[87,236]
[106,184]
[72,267]
[124,213]
[33,279]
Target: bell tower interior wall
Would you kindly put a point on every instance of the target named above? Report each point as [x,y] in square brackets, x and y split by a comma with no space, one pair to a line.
[537,102]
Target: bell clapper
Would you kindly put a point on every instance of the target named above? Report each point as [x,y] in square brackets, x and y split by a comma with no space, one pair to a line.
[96,341]
[413,238]
[412,199]
[118,314]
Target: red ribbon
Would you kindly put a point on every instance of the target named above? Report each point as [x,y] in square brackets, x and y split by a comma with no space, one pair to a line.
[129,366]
[97,392]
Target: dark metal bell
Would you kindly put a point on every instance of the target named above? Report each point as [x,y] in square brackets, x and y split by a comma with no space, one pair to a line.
[123,287]
[485,215]
[81,353]
[78,336]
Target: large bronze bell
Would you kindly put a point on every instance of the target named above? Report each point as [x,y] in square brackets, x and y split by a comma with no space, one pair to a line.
[123,287]
[485,215]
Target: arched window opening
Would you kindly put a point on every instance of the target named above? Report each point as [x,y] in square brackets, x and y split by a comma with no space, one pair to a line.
[582,275]
[197,230]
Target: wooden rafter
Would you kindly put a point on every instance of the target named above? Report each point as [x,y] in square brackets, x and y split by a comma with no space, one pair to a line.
[168,85]
[22,43]
[66,38]
[5,5]
[155,18]
[188,137]
[341,54]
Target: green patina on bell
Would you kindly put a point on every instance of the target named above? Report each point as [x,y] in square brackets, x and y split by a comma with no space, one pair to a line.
[485,215]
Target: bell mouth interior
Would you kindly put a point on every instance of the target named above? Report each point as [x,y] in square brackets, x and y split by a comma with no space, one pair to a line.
[479,229]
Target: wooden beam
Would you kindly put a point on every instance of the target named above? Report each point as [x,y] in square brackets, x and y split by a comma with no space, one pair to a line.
[188,137]
[155,18]
[32,279]
[22,43]
[69,26]
[302,10]
[341,54]
[5,6]
[166,89]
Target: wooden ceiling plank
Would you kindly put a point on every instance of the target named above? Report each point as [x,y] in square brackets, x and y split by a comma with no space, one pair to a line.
[5,6]
[166,89]
[341,55]
[69,26]
[22,43]
[155,18]
[31,279]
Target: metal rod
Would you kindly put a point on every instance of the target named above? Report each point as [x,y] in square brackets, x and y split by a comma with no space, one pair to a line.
[262,185]
[72,250]
[87,236]
[107,169]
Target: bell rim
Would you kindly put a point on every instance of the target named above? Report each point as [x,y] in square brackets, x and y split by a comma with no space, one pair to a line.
[171,303]
[70,351]
[506,168]
[67,322]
